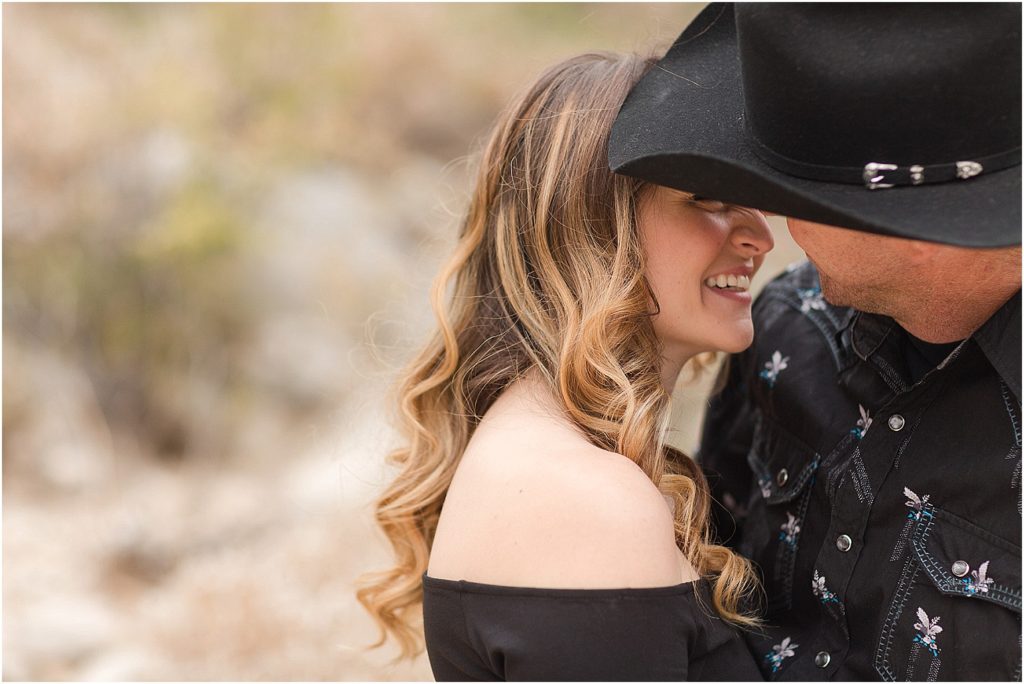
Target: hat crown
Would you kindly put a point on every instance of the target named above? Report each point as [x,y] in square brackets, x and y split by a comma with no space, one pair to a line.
[900,120]
[845,85]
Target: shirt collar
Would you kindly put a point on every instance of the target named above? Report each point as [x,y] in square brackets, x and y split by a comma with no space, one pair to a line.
[999,339]
[868,331]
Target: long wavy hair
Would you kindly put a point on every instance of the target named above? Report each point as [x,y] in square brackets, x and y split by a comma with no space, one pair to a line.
[548,277]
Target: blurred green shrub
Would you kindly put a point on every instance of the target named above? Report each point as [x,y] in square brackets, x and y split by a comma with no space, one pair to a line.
[149,315]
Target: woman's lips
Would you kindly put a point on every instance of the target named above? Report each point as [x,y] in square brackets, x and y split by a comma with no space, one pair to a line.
[742,297]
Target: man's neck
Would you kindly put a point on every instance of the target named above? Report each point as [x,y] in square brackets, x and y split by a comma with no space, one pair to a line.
[955,320]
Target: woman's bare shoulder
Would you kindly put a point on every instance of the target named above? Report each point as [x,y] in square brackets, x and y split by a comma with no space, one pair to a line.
[547,511]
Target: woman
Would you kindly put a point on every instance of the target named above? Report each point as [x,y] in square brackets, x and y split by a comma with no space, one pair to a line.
[565,539]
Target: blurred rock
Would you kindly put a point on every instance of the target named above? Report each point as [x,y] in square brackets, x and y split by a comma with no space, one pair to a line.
[61,630]
[165,157]
[68,446]
[135,557]
[122,665]
[314,484]
[300,358]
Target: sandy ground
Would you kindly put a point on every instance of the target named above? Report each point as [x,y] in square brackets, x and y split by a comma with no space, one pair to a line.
[202,573]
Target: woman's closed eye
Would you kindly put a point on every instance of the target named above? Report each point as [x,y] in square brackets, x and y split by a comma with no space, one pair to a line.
[707,203]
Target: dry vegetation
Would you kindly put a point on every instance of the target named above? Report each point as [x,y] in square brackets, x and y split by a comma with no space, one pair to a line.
[219,226]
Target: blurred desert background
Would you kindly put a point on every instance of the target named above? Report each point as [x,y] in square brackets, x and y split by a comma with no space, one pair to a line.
[220,223]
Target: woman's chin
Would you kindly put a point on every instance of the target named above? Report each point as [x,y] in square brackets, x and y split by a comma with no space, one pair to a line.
[738,342]
[730,340]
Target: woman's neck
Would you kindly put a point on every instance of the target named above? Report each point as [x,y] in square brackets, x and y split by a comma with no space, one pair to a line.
[670,369]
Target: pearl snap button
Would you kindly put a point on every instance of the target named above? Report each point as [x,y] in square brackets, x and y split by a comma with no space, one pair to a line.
[822,659]
[896,422]
[843,543]
[960,568]
[782,477]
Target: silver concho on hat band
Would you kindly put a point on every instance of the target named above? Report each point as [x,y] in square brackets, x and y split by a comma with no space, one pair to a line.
[874,174]
[967,169]
[873,179]
[877,175]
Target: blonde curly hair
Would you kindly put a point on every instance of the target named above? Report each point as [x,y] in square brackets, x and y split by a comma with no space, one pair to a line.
[547,276]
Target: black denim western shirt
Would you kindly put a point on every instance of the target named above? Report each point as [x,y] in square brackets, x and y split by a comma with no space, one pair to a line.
[883,513]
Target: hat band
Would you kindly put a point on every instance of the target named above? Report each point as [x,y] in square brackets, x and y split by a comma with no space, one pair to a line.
[881,174]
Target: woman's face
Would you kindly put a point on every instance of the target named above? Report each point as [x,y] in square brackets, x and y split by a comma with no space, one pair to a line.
[691,243]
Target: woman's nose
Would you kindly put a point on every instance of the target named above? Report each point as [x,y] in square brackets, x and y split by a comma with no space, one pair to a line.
[751,235]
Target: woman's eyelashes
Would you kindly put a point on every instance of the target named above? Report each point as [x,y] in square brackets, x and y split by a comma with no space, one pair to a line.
[707,203]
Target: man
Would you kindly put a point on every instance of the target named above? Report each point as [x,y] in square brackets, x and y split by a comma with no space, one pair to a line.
[867,447]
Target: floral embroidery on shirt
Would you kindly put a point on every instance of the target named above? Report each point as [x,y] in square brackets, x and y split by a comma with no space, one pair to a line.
[780,652]
[916,505]
[811,299]
[772,368]
[790,530]
[863,423]
[821,591]
[925,639]
[927,631]
[978,582]
[738,510]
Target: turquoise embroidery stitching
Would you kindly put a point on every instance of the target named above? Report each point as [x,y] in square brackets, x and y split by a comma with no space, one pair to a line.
[773,367]
[810,299]
[780,652]
[789,530]
[978,581]
[821,591]
[863,423]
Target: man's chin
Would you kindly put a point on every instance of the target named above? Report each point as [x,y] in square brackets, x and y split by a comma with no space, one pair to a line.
[862,299]
[833,293]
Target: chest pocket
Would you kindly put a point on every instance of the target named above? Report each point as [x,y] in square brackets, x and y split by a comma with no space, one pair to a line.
[784,469]
[960,582]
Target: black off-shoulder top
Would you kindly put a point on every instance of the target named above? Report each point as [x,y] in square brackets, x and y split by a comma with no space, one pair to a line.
[485,632]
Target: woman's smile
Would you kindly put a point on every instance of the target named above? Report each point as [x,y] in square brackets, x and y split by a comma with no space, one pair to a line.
[716,246]
[733,284]
[740,296]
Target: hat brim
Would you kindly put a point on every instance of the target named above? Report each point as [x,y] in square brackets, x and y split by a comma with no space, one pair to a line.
[682,126]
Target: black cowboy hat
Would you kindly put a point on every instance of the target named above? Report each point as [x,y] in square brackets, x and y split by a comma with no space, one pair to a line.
[901,120]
